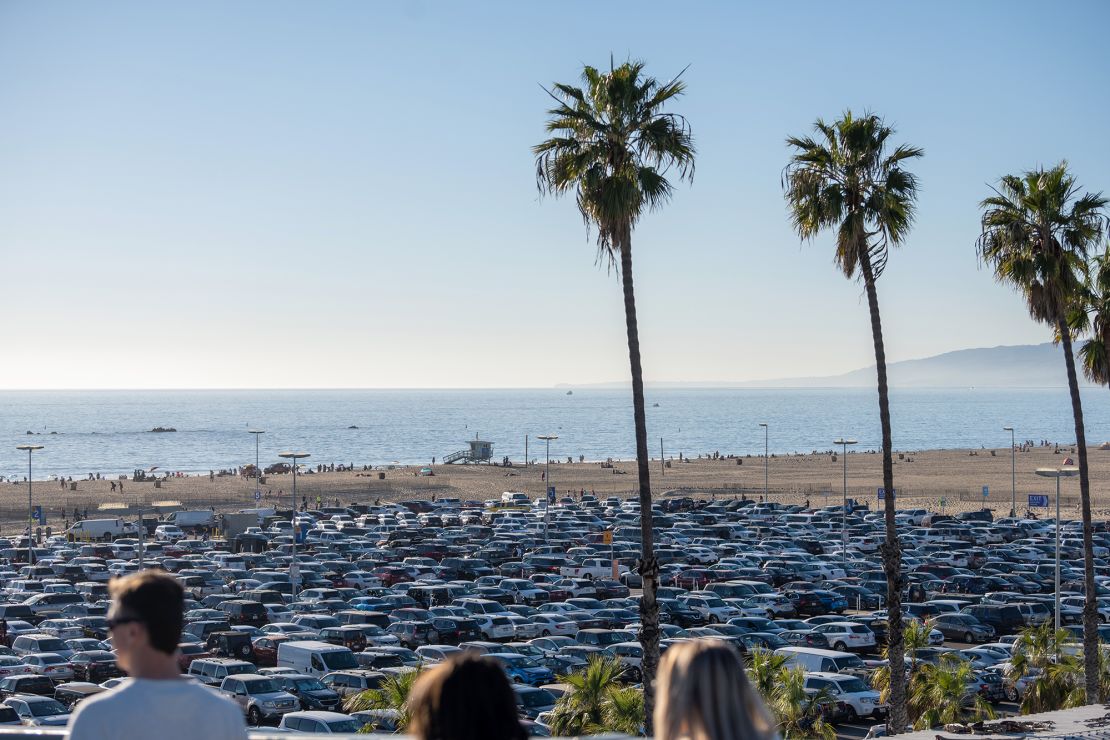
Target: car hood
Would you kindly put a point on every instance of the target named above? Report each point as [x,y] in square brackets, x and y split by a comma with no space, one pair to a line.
[53,720]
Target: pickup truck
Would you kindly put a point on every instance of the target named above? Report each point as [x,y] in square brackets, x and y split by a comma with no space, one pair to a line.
[589,568]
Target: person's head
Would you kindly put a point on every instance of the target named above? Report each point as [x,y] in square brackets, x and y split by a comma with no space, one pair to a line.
[466,697]
[146,617]
[703,693]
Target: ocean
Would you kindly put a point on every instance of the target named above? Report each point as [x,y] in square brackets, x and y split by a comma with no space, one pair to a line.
[108,432]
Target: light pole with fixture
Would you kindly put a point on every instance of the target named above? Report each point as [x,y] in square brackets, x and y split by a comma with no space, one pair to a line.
[1057,473]
[844,511]
[294,568]
[30,511]
[547,477]
[1013,471]
[766,492]
[257,470]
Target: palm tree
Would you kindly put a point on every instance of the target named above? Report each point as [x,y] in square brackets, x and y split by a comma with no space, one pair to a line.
[392,693]
[596,696]
[797,710]
[847,180]
[765,671]
[914,637]
[1093,316]
[1055,676]
[624,712]
[940,694]
[613,145]
[1037,231]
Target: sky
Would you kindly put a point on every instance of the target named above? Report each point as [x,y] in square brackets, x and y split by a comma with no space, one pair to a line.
[342,194]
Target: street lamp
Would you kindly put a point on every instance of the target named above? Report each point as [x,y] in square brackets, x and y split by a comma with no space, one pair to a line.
[1057,473]
[1013,471]
[547,476]
[844,511]
[294,569]
[766,496]
[257,470]
[30,542]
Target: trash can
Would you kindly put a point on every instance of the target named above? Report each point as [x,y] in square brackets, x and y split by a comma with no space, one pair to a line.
[73,485]
[381,476]
[157,484]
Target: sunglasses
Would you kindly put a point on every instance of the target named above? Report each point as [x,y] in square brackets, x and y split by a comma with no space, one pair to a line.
[113,623]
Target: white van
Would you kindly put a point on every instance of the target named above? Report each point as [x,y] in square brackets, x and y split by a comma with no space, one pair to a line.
[315,658]
[514,498]
[818,660]
[200,518]
[95,529]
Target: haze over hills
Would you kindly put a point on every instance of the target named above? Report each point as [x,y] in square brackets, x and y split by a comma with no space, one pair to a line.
[1021,366]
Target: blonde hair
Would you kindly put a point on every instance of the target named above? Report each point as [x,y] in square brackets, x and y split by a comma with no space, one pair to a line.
[703,693]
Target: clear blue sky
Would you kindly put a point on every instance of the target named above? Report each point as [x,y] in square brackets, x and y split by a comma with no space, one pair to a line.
[341,194]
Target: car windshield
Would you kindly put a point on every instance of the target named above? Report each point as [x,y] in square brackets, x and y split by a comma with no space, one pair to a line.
[340,660]
[541,698]
[51,645]
[851,661]
[612,638]
[269,686]
[345,725]
[237,668]
[852,686]
[308,684]
[47,708]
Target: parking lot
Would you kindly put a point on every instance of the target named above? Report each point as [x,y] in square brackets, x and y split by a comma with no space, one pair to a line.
[384,589]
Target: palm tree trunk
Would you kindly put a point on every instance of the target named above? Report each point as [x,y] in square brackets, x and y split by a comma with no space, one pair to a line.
[649,569]
[891,549]
[1090,605]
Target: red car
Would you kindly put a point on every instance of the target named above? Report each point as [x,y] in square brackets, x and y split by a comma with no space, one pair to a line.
[265,649]
[187,652]
[391,576]
[694,579]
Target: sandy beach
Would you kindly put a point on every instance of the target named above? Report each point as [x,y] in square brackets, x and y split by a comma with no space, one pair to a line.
[922,479]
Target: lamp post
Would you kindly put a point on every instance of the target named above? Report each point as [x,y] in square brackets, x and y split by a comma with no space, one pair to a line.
[1057,473]
[1013,471]
[294,569]
[257,470]
[844,510]
[547,477]
[30,541]
[766,457]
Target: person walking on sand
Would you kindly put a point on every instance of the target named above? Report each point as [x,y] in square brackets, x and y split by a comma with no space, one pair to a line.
[145,622]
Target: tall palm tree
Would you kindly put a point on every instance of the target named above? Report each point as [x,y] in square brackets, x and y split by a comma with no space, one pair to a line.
[1037,231]
[613,144]
[848,180]
[1093,316]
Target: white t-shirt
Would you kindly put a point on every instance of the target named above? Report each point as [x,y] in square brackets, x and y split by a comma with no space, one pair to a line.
[141,709]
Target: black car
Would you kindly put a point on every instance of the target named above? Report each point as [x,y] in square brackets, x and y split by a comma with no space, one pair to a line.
[312,694]
[94,666]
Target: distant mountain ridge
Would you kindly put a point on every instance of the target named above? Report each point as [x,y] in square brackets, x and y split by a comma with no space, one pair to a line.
[1019,366]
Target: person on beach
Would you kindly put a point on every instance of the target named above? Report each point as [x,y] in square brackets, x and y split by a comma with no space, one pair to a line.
[145,622]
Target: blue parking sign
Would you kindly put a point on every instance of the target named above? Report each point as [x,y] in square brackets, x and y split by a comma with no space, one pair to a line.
[882,493]
[1039,500]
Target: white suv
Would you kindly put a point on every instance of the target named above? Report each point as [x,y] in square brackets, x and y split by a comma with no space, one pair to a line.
[710,607]
[847,635]
[860,699]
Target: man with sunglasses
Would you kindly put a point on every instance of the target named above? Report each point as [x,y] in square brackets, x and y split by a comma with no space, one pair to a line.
[145,622]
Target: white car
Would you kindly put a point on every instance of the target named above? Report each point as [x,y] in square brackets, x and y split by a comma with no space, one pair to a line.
[13,666]
[495,627]
[767,605]
[859,698]
[168,532]
[847,635]
[524,628]
[556,624]
[710,607]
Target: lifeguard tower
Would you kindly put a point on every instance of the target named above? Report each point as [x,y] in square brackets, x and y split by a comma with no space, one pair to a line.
[478,452]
